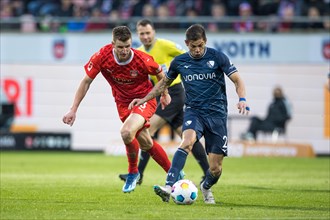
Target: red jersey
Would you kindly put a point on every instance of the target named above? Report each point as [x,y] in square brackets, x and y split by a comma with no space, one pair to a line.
[128,80]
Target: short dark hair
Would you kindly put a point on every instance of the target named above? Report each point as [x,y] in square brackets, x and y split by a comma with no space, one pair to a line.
[145,22]
[121,33]
[195,32]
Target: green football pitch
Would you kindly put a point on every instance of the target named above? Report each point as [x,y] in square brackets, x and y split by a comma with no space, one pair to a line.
[59,185]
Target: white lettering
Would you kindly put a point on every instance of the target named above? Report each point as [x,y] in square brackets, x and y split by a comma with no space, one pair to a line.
[7,141]
[200,76]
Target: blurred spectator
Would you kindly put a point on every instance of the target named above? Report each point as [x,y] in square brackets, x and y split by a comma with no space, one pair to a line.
[218,11]
[314,9]
[126,9]
[28,24]
[137,7]
[114,19]
[34,6]
[107,6]
[286,14]
[66,9]
[190,15]
[199,6]
[326,22]
[181,8]
[162,14]
[97,21]
[6,10]
[18,7]
[314,16]
[269,24]
[322,5]
[86,4]
[171,4]
[79,20]
[233,6]
[6,13]
[279,112]
[148,11]
[269,10]
[268,7]
[245,25]
[43,8]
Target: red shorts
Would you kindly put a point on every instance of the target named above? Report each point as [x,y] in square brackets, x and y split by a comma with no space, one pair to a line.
[147,110]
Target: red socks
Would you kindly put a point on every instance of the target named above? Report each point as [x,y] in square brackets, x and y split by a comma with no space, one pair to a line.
[132,152]
[160,156]
[156,152]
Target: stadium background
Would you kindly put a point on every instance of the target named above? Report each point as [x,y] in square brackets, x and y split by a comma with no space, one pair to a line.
[40,72]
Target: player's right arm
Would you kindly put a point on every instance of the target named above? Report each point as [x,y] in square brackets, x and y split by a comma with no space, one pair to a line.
[84,85]
[165,98]
[158,89]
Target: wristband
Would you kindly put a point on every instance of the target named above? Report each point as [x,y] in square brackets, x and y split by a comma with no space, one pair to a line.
[247,108]
[242,99]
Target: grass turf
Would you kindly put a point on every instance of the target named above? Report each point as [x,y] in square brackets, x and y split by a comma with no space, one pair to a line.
[59,185]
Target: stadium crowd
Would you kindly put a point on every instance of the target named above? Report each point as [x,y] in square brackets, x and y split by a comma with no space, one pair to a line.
[100,15]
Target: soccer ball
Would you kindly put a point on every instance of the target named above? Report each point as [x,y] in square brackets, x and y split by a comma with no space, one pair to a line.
[184,192]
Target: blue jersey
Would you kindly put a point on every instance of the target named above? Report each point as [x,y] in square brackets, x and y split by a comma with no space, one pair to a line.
[204,81]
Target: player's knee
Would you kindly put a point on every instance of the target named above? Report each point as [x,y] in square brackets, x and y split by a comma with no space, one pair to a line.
[187,146]
[216,170]
[126,135]
[145,145]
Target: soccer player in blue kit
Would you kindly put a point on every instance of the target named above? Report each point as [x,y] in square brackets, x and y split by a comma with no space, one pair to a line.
[203,72]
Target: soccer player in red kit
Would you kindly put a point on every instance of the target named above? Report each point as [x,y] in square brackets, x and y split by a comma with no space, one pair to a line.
[126,70]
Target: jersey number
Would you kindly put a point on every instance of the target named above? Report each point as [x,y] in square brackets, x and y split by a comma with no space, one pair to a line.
[143,106]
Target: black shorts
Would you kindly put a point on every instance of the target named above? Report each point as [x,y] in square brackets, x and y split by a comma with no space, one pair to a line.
[173,113]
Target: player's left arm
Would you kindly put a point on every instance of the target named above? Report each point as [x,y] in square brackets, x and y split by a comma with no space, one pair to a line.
[242,105]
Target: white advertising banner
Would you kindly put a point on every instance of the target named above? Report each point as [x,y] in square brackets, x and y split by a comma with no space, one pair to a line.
[241,48]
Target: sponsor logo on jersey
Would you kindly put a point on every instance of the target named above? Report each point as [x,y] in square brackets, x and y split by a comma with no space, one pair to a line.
[122,81]
[200,76]
[187,66]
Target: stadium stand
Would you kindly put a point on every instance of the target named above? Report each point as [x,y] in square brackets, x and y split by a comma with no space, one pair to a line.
[100,15]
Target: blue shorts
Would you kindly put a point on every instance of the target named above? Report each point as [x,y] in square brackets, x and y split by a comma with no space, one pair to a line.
[214,130]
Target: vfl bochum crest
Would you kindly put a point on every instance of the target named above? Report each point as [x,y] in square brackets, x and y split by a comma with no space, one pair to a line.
[210,63]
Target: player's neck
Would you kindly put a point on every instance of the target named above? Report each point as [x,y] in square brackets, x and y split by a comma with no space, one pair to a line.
[148,47]
[124,60]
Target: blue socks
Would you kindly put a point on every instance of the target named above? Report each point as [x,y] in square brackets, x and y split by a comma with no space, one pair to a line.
[210,180]
[178,163]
